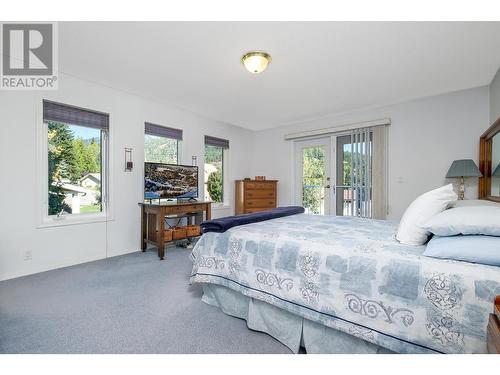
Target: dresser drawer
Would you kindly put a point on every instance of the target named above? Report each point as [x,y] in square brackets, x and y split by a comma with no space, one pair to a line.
[264,203]
[259,185]
[184,208]
[250,194]
[258,209]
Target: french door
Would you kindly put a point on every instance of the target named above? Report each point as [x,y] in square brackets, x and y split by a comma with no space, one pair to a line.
[333,175]
[313,171]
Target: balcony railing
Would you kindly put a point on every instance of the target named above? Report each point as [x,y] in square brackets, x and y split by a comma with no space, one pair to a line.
[313,200]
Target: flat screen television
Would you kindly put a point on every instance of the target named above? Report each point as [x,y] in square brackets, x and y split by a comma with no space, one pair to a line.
[170,181]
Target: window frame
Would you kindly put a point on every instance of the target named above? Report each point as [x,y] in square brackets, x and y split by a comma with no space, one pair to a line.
[44,220]
[167,129]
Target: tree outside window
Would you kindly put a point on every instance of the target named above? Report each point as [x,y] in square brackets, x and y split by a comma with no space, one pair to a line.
[160,149]
[74,169]
[214,173]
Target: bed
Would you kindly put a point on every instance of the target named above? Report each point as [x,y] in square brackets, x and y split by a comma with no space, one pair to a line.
[345,285]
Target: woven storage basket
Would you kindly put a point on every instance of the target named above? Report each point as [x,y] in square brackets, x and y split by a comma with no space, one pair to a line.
[179,233]
[193,230]
[167,235]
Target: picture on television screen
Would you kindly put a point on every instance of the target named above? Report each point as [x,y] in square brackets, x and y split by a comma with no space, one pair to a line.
[170,181]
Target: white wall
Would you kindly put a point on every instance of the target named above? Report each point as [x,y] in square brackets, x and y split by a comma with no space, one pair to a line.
[426,135]
[495,98]
[20,114]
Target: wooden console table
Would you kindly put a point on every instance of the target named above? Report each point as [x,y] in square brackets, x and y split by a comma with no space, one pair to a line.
[153,220]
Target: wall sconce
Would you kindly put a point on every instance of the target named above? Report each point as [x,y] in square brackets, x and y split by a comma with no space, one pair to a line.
[128,160]
[194,161]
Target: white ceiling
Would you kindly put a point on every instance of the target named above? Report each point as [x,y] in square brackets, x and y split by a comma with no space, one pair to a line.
[318,68]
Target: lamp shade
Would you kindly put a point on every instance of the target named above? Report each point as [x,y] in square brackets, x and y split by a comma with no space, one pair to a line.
[463,168]
[496,172]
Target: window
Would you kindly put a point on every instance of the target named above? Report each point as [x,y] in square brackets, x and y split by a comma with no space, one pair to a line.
[76,155]
[161,144]
[214,173]
[214,168]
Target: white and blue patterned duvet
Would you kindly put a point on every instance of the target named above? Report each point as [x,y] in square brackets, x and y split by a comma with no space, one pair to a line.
[352,275]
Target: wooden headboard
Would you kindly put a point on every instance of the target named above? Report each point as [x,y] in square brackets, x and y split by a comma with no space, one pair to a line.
[485,162]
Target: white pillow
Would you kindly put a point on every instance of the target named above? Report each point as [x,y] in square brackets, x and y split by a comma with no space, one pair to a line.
[465,220]
[419,211]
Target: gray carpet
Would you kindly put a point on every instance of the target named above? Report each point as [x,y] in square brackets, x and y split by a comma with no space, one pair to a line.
[128,304]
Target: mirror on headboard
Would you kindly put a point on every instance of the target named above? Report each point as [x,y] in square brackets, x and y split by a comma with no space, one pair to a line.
[489,163]
[495,159]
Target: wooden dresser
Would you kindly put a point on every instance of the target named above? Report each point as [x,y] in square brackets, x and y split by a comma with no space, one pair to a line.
[493,332]
[255,195]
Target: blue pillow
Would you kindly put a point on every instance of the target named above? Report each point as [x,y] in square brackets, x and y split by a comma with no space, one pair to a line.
[465,220]
[474,249]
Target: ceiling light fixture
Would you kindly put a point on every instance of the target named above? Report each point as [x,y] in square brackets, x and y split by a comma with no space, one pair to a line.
[256,61]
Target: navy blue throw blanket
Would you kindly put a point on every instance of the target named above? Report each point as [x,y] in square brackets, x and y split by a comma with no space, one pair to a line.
[225,223]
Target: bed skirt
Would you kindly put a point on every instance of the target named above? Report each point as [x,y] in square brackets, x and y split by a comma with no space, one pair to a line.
[291,330]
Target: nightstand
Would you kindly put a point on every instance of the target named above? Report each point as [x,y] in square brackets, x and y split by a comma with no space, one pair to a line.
[493,332]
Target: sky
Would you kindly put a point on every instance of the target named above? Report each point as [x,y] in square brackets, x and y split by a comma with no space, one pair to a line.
[84,132]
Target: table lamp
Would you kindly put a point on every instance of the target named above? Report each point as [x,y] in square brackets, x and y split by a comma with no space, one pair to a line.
[463,168]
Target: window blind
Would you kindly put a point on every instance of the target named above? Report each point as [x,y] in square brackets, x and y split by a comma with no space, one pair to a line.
[337,129]
[369,172]
[69,114]
[361,172]
[163,131]
[217,142]
[379,172]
